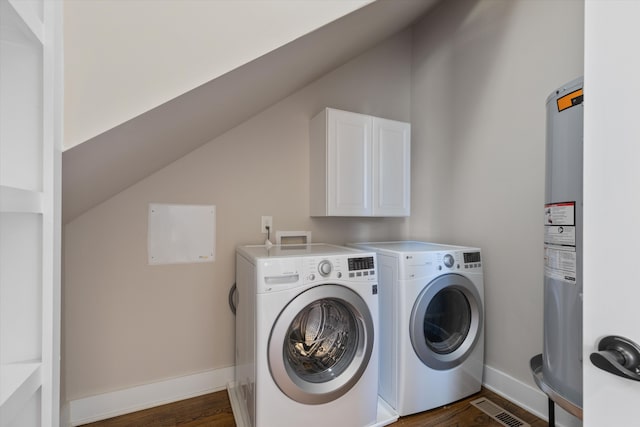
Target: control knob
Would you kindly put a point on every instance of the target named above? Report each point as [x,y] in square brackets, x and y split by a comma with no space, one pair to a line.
[448,260]
[324,268]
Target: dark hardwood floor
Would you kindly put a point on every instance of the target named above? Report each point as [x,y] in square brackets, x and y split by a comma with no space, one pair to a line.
[214,410]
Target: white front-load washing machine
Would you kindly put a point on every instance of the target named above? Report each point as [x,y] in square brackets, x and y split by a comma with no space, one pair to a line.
[431,323]
[306,336]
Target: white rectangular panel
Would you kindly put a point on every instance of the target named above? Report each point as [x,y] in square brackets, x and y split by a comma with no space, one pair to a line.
[181,233]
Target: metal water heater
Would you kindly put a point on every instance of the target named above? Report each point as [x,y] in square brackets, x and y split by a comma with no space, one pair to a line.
[558,370]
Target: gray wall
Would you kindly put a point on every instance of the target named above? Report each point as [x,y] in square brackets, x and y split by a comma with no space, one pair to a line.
[481,74]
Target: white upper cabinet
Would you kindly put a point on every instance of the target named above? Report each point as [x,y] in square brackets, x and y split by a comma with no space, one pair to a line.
[360,165]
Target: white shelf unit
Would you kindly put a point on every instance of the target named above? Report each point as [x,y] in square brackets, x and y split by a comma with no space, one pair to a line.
[30,150]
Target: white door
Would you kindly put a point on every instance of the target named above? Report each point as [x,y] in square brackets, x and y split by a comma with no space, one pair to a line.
[391,172]
[611,203]
[349,167]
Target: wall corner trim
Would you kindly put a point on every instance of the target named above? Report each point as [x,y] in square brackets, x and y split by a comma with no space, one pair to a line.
[524,395]
[112,404]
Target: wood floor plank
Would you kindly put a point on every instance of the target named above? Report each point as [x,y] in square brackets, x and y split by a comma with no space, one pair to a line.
[214,410]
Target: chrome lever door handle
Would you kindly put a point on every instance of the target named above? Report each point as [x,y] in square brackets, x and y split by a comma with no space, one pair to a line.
[619,356]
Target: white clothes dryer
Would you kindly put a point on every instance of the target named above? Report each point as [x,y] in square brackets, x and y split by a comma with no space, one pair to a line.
[431,323]
[306,336]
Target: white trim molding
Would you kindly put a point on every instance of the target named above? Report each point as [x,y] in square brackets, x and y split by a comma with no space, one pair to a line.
[526,396]
[107,405]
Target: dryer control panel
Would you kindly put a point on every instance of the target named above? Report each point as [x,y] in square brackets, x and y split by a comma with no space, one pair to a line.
[458,260]
[361,267]
[421,264]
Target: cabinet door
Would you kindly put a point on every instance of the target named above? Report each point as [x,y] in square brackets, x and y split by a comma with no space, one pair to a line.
[349,164]
[391,168]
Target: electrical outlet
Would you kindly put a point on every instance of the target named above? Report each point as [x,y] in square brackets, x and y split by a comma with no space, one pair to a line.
[267,221]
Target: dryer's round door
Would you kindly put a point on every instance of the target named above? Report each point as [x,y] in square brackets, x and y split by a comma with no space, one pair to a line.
[446,321]
[321,344]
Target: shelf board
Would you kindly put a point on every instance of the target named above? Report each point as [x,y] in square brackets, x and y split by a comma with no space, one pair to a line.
[28,16]
[20,201]
[18,383]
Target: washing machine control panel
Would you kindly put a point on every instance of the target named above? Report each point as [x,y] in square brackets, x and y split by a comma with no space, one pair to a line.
[325,267]
[343,267]
[448,260]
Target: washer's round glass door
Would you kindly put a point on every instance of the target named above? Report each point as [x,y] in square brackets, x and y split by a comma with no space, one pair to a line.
[446,321]
[321,344]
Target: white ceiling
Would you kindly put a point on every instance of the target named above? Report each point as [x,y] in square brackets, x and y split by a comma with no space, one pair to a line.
[114,160]
[145,54]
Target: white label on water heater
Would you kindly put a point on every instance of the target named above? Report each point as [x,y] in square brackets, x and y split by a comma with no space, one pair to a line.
[560,224]
[560,242]
[560,213]
[560,264]
[560,235]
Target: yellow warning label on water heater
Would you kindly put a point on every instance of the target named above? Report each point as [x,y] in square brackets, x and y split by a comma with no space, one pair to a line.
[570,100]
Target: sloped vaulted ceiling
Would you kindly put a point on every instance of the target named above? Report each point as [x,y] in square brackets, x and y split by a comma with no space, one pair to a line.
[116,159]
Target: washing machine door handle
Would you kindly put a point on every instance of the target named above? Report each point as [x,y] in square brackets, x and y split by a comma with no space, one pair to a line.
[619,356]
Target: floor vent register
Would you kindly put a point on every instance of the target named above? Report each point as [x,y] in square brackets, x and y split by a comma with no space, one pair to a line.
[497,413]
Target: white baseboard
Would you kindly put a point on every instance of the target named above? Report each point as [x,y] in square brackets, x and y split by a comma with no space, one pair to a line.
[526,396]
[107,405]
